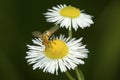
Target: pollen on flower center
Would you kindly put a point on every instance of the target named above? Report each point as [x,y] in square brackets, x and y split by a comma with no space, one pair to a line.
[70,11]
[56,49]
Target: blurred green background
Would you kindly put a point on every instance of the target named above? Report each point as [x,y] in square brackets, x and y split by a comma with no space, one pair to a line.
[18,18]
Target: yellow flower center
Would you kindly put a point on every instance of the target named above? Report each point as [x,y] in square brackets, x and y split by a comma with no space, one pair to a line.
[70,12]
[56,49]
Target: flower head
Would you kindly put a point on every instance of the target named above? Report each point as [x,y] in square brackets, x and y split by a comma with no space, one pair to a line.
[68,16]
[61,53]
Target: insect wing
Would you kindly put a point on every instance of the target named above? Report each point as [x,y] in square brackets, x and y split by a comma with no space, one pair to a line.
[53,29]
[37,34]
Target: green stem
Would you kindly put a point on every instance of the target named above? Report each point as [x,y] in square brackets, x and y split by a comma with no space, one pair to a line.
[79,74]
[69,76]
[67,73]
[70,32]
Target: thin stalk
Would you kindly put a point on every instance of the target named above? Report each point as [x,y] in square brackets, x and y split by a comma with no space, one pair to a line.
[70,32]
[79,74]
[69,75]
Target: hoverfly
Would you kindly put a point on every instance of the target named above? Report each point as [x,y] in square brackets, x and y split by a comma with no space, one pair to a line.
[45,35]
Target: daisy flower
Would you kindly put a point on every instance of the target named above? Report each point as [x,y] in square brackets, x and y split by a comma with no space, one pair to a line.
[68,16]
[60,54]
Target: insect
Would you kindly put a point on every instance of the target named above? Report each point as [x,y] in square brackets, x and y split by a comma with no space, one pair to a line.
[45,35]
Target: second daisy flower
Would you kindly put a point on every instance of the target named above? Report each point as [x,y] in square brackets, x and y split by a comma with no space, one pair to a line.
[68,16]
